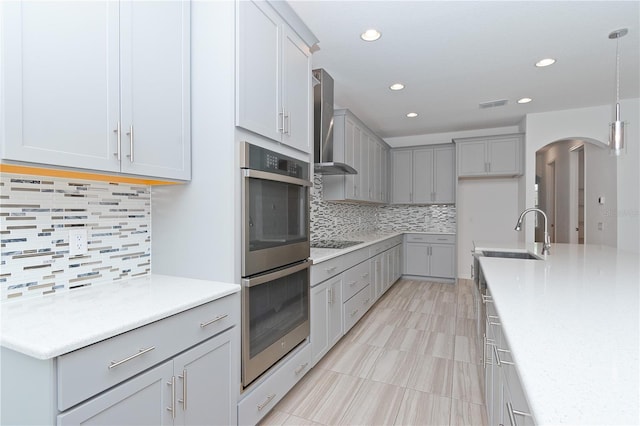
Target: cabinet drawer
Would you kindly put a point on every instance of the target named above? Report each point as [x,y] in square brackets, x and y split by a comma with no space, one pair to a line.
[355,279]
[325,270]
[377,248]
[356,307]
[431,238]
[90,370]
[261,399]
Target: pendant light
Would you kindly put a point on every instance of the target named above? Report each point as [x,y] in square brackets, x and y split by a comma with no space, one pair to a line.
[616,137]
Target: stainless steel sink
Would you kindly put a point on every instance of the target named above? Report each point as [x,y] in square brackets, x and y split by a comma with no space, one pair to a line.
[510,255]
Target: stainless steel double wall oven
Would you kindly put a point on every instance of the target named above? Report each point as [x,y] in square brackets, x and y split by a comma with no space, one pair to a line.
[275,252]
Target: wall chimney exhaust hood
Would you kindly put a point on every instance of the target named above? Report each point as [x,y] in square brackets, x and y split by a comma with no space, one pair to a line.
[323,127]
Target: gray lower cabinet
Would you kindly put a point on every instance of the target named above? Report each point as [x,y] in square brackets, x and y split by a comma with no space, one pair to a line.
[326,316]
[430,255]
[179,370]
[193,388]
[504,396]
[140,401]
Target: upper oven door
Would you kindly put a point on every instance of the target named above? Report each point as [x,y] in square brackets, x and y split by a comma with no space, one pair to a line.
[275,222]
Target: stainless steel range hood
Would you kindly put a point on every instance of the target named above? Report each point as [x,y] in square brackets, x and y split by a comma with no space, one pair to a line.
[323,128]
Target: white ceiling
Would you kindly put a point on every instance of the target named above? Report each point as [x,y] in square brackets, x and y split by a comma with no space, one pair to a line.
[452,55]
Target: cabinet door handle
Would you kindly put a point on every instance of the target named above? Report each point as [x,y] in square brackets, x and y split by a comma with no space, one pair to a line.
[184,390]
[130,134]
[287,127]
[512,414]
[172,383]
[129,358]
[486,299]
[354,312]
[266,401]
[281,121]
[216,319]
[410,196]
[330,298]
[365,275]
[352,283]
[119,141]
[301,368]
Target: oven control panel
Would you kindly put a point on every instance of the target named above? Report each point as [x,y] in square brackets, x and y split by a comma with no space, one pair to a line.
[258,158]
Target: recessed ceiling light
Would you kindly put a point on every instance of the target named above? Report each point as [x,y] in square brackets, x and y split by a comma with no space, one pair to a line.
[545,62]
[412,114]
[370,35]
[396,86]
[524,100]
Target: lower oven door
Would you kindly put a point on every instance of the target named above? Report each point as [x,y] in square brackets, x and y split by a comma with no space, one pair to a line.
[275,317]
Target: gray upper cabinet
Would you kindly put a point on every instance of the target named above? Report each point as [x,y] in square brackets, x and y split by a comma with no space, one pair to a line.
[357,146]
[402,177]
[490,156]
[273,84]
[100,86]
[423,175]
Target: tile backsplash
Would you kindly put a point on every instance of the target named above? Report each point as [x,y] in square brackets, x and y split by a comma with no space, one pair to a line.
[36,214]
[333,220]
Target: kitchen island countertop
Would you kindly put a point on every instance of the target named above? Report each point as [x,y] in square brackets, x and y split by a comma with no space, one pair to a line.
[48,326]
[572,322]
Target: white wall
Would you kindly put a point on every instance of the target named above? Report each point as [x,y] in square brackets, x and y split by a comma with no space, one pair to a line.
[438,138]
[592,124]
[487,211]
[628,214]
[194,225]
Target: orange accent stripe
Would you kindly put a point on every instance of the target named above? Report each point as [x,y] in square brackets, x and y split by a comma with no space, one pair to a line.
[70,174]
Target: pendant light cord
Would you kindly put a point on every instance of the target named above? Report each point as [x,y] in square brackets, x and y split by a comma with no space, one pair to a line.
[617,70]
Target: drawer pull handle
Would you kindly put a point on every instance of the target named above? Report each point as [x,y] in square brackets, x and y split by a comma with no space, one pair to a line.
[129,358]
[266,401]
[486,299]
[216,319]
[301,368]
[366,302]
[354,312]
[365,275]
[333,268]
[352,283]
[499,362]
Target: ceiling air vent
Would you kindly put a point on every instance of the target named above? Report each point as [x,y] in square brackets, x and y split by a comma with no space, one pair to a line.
[493,104]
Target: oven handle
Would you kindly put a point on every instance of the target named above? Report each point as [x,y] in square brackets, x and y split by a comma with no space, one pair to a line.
[257,174]
[250,282]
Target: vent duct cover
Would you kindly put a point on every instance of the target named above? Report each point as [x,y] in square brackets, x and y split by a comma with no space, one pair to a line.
[493,104]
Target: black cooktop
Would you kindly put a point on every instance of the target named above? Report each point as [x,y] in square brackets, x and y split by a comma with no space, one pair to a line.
[334,244]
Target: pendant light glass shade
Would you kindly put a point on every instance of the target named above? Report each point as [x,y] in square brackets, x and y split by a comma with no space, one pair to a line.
[616,136]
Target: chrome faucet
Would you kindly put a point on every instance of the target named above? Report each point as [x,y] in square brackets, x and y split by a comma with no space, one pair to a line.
[547,240]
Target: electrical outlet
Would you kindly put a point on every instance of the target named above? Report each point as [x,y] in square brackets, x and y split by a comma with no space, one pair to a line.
[77,241]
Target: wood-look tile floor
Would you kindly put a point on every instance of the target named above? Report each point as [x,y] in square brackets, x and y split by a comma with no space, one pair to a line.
[413,359]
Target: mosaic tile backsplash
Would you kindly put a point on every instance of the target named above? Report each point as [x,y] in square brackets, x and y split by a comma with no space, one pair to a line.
[332,220]
[36,214]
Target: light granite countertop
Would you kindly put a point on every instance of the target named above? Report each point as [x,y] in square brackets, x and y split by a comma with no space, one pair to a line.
[572,321]
[319,255]
[52,325]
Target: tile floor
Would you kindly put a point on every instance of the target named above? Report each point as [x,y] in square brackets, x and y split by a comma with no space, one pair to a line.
[413,359]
